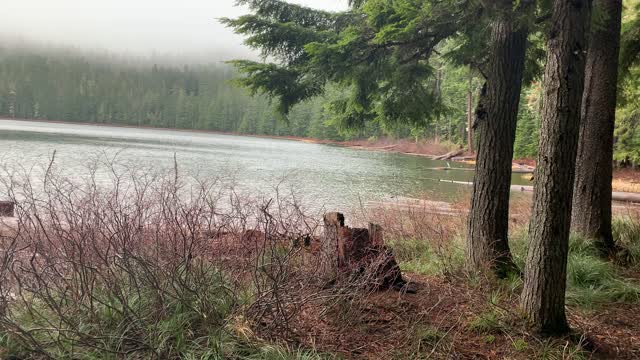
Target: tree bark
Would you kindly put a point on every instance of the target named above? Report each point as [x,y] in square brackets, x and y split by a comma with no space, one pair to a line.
[594,164]
[469,116]
[543,297]
[496,118]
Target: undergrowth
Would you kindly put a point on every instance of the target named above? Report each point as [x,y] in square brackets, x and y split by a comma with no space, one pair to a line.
[86,275]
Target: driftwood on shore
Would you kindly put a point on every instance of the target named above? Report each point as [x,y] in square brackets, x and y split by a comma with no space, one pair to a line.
[615,196]
[449,155]
[516,170]
[423,206]
[463,158]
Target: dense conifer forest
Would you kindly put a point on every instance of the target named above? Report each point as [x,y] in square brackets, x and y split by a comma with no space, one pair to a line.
[64,84]
[67,86]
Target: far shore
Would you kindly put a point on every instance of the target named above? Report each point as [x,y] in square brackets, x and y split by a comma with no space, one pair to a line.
[626,180]
[402,146]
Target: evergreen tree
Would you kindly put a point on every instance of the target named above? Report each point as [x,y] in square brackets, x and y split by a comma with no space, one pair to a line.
[543,297]
[594,164]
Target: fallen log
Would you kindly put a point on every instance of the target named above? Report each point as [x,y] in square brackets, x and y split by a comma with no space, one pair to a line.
[615,196]
[416,208]
[448,168]
[450,155]
[463,158]
[438,208]
[385,148]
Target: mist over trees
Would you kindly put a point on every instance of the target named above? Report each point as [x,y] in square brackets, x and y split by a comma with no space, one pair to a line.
[73,85]
[103,88]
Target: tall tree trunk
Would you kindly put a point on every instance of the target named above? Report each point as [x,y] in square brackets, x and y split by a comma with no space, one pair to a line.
[496,118]
[469,116]
[543,297]
[594,164]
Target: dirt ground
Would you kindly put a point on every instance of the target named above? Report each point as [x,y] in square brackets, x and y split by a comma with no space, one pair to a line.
[437,323]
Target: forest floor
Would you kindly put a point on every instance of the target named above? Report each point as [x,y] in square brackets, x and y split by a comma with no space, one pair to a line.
[458,315]
[245,287]
[454,317]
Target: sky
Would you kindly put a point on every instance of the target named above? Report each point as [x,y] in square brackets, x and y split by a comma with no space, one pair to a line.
[182,28]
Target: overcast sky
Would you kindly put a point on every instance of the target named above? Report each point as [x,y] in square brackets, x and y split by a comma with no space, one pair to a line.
[140,27]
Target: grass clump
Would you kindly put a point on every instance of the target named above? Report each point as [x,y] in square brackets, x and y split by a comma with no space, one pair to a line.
[520,345]
[592,280]
[422,257]
[163,321]
[489,322]
[626,233]
[428,336]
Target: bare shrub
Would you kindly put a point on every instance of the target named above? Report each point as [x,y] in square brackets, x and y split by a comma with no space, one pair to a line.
[148,264]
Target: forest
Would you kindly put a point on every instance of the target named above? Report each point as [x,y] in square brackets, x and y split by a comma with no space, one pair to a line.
[67,85]
[154,265]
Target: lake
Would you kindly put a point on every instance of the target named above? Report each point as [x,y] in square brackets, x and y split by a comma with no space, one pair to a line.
[326,176]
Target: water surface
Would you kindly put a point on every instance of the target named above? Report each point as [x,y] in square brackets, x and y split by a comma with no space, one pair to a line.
[326,176]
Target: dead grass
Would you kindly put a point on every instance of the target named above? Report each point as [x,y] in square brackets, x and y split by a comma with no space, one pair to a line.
[453,318]
[626,185]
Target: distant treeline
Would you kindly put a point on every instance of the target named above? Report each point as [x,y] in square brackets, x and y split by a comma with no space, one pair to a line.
[45,84]
[39,84]
[79,88]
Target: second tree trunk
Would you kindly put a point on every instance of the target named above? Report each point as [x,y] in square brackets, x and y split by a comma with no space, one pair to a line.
[496,118]
[592,198]
[543,297]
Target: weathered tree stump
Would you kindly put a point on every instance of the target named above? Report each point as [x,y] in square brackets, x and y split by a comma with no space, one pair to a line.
[7,208]
[361,253]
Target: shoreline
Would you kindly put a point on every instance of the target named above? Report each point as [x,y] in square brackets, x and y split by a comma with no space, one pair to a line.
[384,144]
[624,179]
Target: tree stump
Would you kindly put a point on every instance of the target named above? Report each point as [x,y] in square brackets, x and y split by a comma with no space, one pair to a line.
[7,208]
[361,254]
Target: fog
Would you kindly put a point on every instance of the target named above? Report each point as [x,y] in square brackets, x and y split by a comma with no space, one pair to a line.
[183,29]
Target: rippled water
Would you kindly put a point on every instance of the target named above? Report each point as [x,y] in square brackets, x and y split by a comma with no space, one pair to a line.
[321,175]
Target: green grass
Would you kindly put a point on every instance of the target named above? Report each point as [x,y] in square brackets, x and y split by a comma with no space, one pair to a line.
[591,280]
[182,325]
[428,336]
[553,349]
[489,322]
[626,232]
[520,345]
[418,256]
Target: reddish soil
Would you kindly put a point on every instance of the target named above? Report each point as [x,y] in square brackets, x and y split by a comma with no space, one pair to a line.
[436,323]
[630,175]
[526,162]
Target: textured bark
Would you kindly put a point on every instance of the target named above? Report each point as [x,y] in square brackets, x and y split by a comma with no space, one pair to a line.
[469,116]
[543,297]
[496,118]
[361,253]
[594,164]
